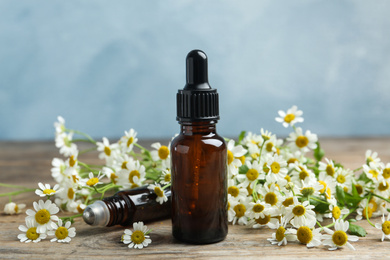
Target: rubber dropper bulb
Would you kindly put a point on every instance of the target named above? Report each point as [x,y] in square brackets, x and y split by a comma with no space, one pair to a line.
[196,71]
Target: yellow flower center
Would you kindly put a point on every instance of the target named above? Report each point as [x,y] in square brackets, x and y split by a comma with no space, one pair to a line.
[369,212]
[299,210]
[386,173]
[61,232]
[359,188]
[252,174]
[307,191]
[301,141]
[339,237]
[48,191]
[242,159]
[289,117]
[280,233]
[107,150]
[230,157]
[16,208]
[275,167]
[124,165]
[382,187]
[249,189]
[340,178]
[240,210]
[130,141]
[324,186]
[75,178]
[373,205]
[303,174]
[137,237]
[113,178]
[91,182]
[234,191]
[287,178]
[32,233]
[287,202]
[257,208]
[167,177]
[304,235]
[330,170]
[72,161]
[70,193]
[163,152]
[159,192]
[263,221]
[133,174]
[42,216]
[374,173]
[336,212]
[269,147]
[80,210]
[328,193]
[271,198]
[292,160]
[386,227]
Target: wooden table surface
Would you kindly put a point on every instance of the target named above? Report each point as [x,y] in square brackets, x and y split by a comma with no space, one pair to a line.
[27,163]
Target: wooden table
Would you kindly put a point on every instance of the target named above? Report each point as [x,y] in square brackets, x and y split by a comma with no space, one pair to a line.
[27,163]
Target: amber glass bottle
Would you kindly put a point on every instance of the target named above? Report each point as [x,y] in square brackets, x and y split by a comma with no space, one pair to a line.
[199,167]
[126,207]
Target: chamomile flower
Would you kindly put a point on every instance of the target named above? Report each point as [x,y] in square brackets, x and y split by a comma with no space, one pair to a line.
[301,214]
[45,190]
[92,180]
[253,174]
[290,117]
[343,178]
[137,238]
[110,174]
[64,143]
[282,235]
[58,170]
[252,139]
[302,142]
[335,211]
[60,125]
[308,236]
[43,215]
[327,167]
[107,151]
[133,176]
[338,238]
[30,232]
[258,209]
[372,157]
[128,140]
[161,152]
[235,152]
[165,176]
[366,209]
[384,226]
[240,209]
[271,194]
[278,170]
[63,234]
[373,172]
[161,197]
[271,145]
[12,208]
[236,191]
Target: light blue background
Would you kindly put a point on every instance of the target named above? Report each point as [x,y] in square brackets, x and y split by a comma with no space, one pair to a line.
[108,66]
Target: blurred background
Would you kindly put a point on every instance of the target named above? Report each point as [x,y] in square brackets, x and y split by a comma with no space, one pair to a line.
[108,66]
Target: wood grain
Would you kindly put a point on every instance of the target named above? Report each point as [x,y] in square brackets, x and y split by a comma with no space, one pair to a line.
[26,163]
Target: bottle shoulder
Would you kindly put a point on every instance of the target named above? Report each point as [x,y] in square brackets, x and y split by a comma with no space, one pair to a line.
[213,140]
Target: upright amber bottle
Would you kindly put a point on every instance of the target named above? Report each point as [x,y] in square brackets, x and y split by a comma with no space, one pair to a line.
[199,166]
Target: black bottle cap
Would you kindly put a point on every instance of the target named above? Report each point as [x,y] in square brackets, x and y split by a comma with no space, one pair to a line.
[197,101]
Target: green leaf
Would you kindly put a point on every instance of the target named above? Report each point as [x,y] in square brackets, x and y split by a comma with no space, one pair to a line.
[243,169]
[320,205]
[340,195]
[241,136]
[318,152]
[357,230]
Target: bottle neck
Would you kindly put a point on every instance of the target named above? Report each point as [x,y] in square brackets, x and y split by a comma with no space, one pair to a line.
[204,128]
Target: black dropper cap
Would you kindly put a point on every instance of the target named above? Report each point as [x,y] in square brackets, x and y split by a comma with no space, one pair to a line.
[197,101]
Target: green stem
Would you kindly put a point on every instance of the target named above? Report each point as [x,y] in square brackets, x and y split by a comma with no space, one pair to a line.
[16,192]
[90,139]
[12,186]
[378,196]
[87,150]
[358,169]
[366,210]
[71,217]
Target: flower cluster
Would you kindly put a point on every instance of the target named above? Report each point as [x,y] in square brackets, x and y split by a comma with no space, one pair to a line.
[273,182]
